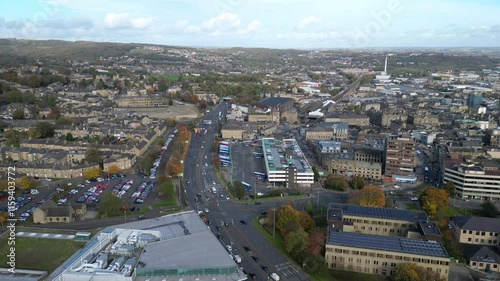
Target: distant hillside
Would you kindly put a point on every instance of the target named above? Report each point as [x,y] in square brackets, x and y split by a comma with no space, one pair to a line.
[15,51]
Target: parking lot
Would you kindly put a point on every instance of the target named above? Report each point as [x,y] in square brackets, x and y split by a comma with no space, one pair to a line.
[245,163]
[136,189]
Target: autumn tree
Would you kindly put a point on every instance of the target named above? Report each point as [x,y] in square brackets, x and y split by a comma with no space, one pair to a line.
[308,206]
[173,167]
[316,242]
[336,182]
[27,183]
[305,220]
[92,173]
[112,170]
[296,242]
[412,272]
[434,199]
[286,215]
[372,196]
[449,187]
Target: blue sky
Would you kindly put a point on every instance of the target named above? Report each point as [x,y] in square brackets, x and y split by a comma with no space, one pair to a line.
[259,23]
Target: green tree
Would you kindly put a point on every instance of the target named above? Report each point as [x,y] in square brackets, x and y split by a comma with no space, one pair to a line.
[18,114]
[316,174]
[45,129]
[92,155]
[336,182]
[69,137]
[308,206]
[488,209]
[238,189]
[450,188]
[358,182]
[296,242]
[109,203]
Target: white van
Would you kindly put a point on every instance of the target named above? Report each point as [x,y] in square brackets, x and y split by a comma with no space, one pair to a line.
[237,258]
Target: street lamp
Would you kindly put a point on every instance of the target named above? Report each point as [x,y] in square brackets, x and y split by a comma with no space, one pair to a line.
[274,222]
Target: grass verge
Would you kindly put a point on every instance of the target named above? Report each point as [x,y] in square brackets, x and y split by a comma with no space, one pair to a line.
[39,254]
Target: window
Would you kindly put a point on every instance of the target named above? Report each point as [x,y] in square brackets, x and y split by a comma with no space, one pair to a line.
[464,231]
[470,239]
[375,262]
[477,232]
[367,261]
[470,231]
[480,264]
[384,263]
[473,263]
[389,257]
[483,233]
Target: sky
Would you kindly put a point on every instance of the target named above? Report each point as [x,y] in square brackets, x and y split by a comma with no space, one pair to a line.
[304,24]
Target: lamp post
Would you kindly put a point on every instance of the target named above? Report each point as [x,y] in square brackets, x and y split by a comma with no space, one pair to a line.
[274,222]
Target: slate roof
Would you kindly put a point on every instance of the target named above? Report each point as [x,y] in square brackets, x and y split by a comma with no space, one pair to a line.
[477,223]
[482,253]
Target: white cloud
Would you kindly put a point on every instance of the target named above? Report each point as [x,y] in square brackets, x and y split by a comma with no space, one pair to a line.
[307,21]
[223,24]
[125,21]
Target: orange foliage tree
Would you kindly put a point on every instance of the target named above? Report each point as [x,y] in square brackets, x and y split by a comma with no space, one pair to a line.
[372,196]
[433,199]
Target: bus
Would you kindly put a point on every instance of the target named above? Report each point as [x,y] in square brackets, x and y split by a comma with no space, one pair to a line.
[207,122]
[260,176]
[224,157]
[247,186]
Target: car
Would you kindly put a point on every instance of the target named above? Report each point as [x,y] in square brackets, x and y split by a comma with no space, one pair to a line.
[219,228]
[206,210]
[414,199]
[274,276]
[214,183]
[70,184]
[256,259]
[219,236]
[229,248]
[87,181]
[142,217]
[252,276]
[226,223]
[246,249]
[258,203]
[264,267]
[134,209]
[243,222]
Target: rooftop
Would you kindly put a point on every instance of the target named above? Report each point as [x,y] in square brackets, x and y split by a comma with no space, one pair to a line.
[272,102]
[387,243]
[477,223]
[382,213]
[276,158]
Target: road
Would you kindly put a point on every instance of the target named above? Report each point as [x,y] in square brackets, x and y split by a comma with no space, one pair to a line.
[199,180]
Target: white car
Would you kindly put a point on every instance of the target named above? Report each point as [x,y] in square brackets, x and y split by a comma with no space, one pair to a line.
[414,199]
[34,192]
[206,210]
[274,276]
[229,248]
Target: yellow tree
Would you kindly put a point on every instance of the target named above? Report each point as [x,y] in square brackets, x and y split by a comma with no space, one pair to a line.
[285,216]
[113,170]
[433,199]
[372,196]
[92,173]
[27,183]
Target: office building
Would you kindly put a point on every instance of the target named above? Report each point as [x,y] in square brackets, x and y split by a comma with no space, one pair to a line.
[478,180]
[474,99]
[285,163]
[400,158]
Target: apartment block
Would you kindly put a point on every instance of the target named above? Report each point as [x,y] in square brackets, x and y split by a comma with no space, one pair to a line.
[381,255]
[400,157]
